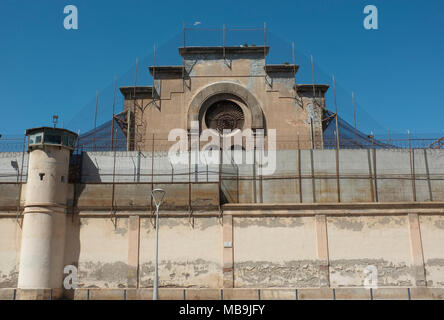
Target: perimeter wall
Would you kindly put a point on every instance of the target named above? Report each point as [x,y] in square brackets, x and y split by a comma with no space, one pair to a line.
[324,220]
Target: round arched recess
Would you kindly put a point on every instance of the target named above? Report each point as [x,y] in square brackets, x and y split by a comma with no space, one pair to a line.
[225,106]
[215,91]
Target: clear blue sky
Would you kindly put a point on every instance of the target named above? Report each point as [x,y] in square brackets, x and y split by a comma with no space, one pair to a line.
[396,71]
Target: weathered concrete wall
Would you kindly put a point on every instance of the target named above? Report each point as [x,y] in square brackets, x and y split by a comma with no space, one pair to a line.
[324,176]
[135,195]
[271,249]
[189,252]
[435,161]
[135,166]
[432,234]
[102,252]
[355,170]
[423,182]
[324,164]
[9,194]
[394,172]
[396,175]
[271,246]
[275,252]
[358,242]
[10,239]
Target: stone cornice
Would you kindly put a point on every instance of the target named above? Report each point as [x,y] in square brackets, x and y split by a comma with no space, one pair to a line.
[128,92]
[167,70]
[308,88]
[281,68]
[220,50]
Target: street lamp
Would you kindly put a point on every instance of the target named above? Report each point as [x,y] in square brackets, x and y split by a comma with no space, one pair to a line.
[158,195]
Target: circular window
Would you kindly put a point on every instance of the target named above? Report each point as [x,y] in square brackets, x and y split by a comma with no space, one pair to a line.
[224,115]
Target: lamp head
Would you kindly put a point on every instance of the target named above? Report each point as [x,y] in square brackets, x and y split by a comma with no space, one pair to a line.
[158,196]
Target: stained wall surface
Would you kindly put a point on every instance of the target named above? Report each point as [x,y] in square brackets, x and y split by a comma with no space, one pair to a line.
[103,254]
[432,233]
[275,252]
[10,238]
[110,234]
[268,251]
[189,252]
[357,243]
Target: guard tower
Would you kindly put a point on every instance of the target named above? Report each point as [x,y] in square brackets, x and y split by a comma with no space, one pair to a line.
[43,235]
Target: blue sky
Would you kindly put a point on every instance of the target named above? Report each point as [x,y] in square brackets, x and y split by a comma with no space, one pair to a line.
[396,71]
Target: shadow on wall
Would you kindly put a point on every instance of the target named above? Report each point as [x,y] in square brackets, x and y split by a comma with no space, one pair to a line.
[72,248]
[72,223]
[89,170]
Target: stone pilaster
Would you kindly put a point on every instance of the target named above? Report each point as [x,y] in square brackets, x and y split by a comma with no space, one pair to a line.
[416,250]
[133,251]
[228,256]
[322,250]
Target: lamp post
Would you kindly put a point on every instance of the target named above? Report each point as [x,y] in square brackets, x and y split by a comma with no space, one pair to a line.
[158,195]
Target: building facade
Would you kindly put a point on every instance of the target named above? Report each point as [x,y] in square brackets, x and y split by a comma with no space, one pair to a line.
[225,88]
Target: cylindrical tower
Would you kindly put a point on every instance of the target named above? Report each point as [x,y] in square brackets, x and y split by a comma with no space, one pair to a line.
[43,234]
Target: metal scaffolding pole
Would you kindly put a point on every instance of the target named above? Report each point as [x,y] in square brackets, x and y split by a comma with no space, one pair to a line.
[114,111]
[336,110]
[354,118]
[95,121]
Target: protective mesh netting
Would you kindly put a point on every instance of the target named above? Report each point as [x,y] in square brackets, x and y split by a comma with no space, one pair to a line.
[101,138]
[349,137]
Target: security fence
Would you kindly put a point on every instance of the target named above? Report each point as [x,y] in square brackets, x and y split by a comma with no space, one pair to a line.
[292,174]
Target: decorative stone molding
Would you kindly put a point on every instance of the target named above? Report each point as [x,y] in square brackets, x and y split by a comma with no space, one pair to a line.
[257,117]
